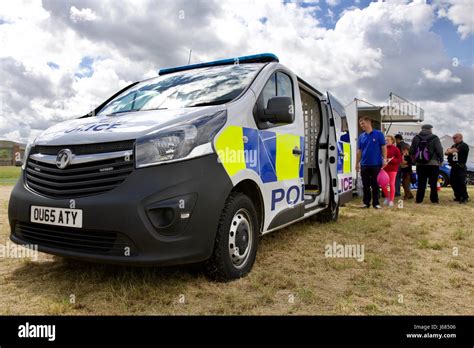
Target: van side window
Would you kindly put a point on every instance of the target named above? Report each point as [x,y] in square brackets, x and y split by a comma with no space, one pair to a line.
[278,85]
[284,85]
[269,90]
[342,128]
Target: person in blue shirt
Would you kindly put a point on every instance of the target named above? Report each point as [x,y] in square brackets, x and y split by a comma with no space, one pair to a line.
[371,157]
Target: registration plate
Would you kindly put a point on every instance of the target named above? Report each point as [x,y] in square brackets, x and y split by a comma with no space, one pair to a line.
[56,216]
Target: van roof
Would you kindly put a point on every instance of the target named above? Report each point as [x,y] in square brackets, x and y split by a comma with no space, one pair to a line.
[256,58]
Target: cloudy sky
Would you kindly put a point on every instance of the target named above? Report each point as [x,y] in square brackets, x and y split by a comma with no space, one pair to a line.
[60,58]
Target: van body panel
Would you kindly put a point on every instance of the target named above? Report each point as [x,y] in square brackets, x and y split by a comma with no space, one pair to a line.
[345,184]
[247,152]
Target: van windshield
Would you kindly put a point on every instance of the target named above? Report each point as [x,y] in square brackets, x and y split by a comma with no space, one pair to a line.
[197,87]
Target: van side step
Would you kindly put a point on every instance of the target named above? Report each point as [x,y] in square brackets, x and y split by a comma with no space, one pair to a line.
[310,195]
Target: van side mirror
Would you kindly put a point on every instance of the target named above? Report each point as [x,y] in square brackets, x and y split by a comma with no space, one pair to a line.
[279,110]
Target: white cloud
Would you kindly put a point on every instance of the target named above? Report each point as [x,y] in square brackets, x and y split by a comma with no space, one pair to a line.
[370,52]
[461,13]
[443,76]
[333,2]
[453,117]
[84,14]
[32,11]
[33,95]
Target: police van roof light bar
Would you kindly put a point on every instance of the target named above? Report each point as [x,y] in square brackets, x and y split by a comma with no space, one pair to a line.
[256,58]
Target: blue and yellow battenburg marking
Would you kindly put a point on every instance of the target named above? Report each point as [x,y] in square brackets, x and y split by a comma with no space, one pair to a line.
[269,154]
[344,167]
[344,157]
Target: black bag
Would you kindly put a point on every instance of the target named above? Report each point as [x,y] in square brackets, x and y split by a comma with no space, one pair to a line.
[423,152]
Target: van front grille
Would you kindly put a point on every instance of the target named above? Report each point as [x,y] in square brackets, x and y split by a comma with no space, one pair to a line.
[77,179]
[80,240]
[85,149]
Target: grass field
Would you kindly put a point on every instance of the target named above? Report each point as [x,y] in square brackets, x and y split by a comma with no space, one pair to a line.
[9,175]
[411,267]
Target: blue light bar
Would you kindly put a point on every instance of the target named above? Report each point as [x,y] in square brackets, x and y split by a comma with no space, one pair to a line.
[256,58]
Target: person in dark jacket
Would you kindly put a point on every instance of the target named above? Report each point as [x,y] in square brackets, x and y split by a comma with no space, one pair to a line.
[457,158]
[407,172]
[398,180]
[427,154]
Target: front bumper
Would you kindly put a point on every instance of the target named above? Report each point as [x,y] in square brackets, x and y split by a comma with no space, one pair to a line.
[166,214]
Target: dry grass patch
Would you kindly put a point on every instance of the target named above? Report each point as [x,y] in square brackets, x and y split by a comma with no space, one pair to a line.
[417,260]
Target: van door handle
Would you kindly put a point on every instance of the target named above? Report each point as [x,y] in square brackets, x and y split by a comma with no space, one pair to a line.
[297,151]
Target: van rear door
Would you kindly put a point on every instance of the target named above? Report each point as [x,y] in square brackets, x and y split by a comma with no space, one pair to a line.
[342,171]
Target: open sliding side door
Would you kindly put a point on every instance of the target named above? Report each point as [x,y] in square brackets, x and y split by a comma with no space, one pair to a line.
[339,138]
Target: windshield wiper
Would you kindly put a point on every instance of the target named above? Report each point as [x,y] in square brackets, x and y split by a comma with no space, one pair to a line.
[154,109]
[215,102]
[121,112]
[135,110]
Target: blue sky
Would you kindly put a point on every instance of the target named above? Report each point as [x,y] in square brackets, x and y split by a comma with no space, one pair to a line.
[462,49]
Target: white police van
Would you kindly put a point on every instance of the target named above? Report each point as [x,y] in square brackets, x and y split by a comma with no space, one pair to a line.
[190,166]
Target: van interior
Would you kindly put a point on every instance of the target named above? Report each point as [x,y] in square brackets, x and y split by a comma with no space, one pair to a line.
[312,131]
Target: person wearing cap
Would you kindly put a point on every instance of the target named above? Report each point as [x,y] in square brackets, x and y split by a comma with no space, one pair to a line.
[457,158]
[427,154]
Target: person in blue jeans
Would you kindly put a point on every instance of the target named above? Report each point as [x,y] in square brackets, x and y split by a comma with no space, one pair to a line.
[371,157]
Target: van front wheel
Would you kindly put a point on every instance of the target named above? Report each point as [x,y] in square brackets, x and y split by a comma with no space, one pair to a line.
[236,242]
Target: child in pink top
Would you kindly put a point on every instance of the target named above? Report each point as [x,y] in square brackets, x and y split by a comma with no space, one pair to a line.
[394,158]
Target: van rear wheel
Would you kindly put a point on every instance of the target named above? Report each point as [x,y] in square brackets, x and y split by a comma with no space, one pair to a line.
[331,213]
[236,242]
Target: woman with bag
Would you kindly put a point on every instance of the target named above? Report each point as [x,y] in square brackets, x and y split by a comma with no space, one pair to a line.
[394,158]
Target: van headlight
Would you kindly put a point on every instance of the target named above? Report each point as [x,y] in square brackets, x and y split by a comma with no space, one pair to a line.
[182,141]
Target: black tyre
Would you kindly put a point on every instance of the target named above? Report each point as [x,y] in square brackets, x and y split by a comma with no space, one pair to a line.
[331,213]
[444,179]
[236,242]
